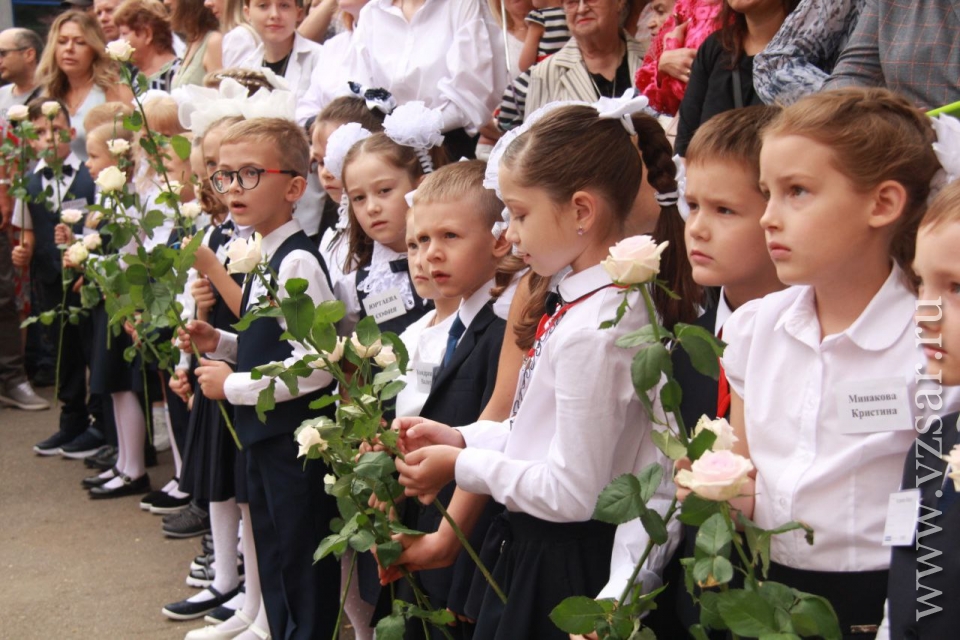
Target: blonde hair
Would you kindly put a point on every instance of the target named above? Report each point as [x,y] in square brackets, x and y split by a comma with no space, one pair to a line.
[460,180]
[283,136]
[106,113]
[233,17]
[251,79]
[875,135]
[944,208]
[162,116]
[49,75]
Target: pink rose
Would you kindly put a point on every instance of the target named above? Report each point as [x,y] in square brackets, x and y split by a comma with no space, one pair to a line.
[716,475]
[634,260]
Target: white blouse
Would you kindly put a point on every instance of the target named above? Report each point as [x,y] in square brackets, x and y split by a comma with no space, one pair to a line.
[450,56]
[579,425]
[799,393]
[237,45]
[330,76]
[426,345]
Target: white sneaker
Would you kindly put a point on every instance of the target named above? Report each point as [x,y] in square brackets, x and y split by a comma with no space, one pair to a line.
[158,421]
[211,632]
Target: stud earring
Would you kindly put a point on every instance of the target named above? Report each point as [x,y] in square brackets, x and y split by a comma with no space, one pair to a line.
[579,231]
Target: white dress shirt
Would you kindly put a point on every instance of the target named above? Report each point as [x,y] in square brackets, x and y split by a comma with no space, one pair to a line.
[303,60]
[450,56]
[237,45]
[21,215]
[330,76]
[579,426]
[808,469]
[426,345]
[239,387]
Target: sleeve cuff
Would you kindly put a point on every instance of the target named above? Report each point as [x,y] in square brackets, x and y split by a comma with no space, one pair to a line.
[226,347]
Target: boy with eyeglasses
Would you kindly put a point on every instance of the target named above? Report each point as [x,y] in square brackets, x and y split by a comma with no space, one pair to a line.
[262,169]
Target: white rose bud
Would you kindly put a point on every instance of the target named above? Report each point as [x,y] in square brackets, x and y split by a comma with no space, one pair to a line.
[18,112]
[332,356]
[386,357]
[634,260]
[118,146]
[362,351]
[953,459]
[50,108]
[92,242]
[190,210]
[71,216]
[120,50]
[244,255]
[111,179]
[716,475]
[309,438]
[726,438]
[329,479]
[175,188]
[77,253]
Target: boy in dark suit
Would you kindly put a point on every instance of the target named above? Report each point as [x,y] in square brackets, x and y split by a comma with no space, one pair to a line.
[453,216]
[924,577]
[60,182]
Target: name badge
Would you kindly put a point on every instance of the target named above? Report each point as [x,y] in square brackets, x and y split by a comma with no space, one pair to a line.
[868,406]
[385,306]
[903,510]
[425,374]
[222,252]
[77,203]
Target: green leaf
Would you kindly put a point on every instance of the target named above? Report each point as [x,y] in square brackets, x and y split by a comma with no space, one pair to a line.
[137,274]
[709,615]
[578,614]
[696,510]
[181,146]
[620,501]
[133,122]
[325,401]
[391,390]
[298,312]
[670,396]
[362,540]
[290,379]
[654,525]
[650,478]
[391,628]
[296,286]
[701,444]
[153,220]
[669,444]
[697,633]
[814,616]
[330,312]
[703,348]
[162,262]
[648,365]
[388,552]
[713,571]
[265,401]
[643,335]
[377,465]
[714,536]
[335,544]
[779,595]
[746,613]
[367,331]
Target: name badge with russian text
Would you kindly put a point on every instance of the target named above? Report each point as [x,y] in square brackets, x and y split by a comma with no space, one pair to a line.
[868,406]
[385,306]
[425,373]
[903,510]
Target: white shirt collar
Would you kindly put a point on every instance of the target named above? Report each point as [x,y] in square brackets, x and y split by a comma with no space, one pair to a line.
[577,285]
[72,160]
[878,327]
[723,313]
[272,241]
[470,307]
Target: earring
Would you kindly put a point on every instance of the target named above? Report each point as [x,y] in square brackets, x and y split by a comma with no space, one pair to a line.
[579,231]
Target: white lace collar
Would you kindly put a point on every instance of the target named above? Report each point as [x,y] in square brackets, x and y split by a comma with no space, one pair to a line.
[380,277]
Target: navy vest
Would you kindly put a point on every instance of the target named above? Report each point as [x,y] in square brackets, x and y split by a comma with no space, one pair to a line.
[260,344]
[46,264]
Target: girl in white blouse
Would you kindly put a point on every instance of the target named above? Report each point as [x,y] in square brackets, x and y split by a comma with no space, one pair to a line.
[569,183]
[823,374]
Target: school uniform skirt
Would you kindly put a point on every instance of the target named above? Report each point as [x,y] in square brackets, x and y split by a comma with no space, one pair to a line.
[210,455]
[109,372]
[539,564]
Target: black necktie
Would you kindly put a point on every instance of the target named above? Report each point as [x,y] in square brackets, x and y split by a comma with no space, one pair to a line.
[399,266]
[552,302]
[453,337]
[48,171]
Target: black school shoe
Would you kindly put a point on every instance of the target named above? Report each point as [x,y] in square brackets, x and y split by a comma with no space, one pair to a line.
[52,445]
[104,458]
[129,487]
[96,481]
[166,503]
[186,610]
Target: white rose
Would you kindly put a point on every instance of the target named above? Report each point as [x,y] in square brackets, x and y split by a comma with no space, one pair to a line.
[329,479]
[93,241]
[244,255]
[120,50]
[175,188]
[77,253]
[307,439]
[190,210]
[111,179]
[716,475]
[18,112]
[362,351]
[118,146]
[332,356]
[726,438]
[634,260]
[953,459]
[386,357]
[50,108]
[71,216]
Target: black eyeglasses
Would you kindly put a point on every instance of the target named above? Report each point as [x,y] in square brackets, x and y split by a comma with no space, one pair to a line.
[4,52]
[248,177]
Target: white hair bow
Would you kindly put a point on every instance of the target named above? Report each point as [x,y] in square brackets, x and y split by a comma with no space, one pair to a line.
[414,125]
[622,108]
[375,98]
[947,148]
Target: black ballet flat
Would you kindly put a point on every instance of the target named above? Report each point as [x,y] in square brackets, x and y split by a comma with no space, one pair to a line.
[129,487]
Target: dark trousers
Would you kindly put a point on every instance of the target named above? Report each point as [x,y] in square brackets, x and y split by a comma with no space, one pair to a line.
[11,358]
[291,513]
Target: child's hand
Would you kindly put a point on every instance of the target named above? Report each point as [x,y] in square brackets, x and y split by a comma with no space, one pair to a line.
[425,471]
[132,332]
[67,262]
[432,551]
[21,255]
[202,334]
[205,260]
[78,285]
[62,234]
[211,376]
[679,465]
[418,432]
[203,294]
[180,384]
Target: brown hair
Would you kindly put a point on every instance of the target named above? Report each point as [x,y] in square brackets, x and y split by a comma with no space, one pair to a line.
[107,113]
[35,109]
[252,79]
[875,135]
[141,15]
[349,109]
[282,135]
[733,28]
[192,19]
[404,158]
[105,71]
[573,138]
[461,180]
[733,136]
[944,208]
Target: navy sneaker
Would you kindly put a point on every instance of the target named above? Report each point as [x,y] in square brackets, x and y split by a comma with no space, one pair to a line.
[86,444]
[52,445]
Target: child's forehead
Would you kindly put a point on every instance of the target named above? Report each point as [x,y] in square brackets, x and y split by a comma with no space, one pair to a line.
[248,151]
